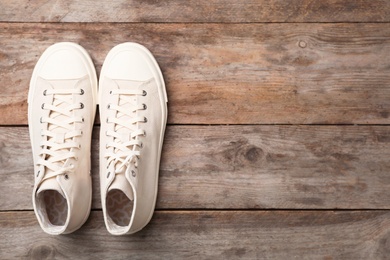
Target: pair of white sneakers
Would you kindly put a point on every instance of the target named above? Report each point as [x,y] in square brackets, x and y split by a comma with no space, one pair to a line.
[61,110]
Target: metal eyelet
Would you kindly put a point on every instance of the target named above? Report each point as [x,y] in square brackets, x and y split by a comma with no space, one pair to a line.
[107,120]
[40,120]
[144,133]
[81,132]
[142,145]
[66,176]
[144,93]
[38,173]
[81,105]
[108,174]
[82,92]
[133,173]
[145,107]
[108,106]
[82,120]
[44,92]
[110,92]
[145,120]
[43,106]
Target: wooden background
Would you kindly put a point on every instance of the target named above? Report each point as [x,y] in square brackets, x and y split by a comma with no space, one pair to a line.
[278,137]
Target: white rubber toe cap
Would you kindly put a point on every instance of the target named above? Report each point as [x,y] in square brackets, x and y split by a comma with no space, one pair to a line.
[129,63]
[63,63]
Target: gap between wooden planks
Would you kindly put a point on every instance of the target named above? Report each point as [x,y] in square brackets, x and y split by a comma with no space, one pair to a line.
[229,73]
[240,167]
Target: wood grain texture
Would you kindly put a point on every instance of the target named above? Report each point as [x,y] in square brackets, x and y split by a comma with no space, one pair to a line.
[229,74]
[251,190]
[225,11]
[241,167]
[208,235]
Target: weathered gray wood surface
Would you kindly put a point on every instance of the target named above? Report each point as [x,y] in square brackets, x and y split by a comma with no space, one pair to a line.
[241,167]
[252,190]
[229,73]
[225,11]
[209,235]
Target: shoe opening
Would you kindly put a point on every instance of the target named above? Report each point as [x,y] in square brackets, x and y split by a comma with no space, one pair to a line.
[56,207]
[119,207]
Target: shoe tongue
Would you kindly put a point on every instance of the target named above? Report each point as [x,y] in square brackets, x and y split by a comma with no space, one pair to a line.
[121,183]
[51,184]
[127,84]
[59,132]
[60,84]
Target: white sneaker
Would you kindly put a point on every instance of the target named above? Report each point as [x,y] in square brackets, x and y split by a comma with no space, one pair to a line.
[133,115]
[61,112]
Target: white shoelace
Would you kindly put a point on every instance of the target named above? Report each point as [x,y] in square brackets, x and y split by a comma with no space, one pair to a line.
[125,152]
[58,138]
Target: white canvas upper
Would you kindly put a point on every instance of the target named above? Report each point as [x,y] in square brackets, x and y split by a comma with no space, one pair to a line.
[61,111]
[133,115]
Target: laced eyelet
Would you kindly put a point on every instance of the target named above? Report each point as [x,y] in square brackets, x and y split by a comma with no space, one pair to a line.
[66,176]
[43,106]
[133,173]
[107,120]
[145,120]
[144,133]
[81,105]
[108,174]
[144,93]
[82,92]
[82,120]
[108,106]
[38,173]
[144,106]
[110,92]
[142,145]
[44,92]
[81,132]
[40,120]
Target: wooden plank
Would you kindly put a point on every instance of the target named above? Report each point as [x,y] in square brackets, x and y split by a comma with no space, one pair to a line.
[240,167]
[210,234]
[225,11]
[229,74]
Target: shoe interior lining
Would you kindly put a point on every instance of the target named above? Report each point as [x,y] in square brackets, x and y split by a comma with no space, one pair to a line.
[56,207]
[119,207]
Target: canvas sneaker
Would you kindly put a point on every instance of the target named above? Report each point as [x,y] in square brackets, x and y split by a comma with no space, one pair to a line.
[133,115]
[61,112]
